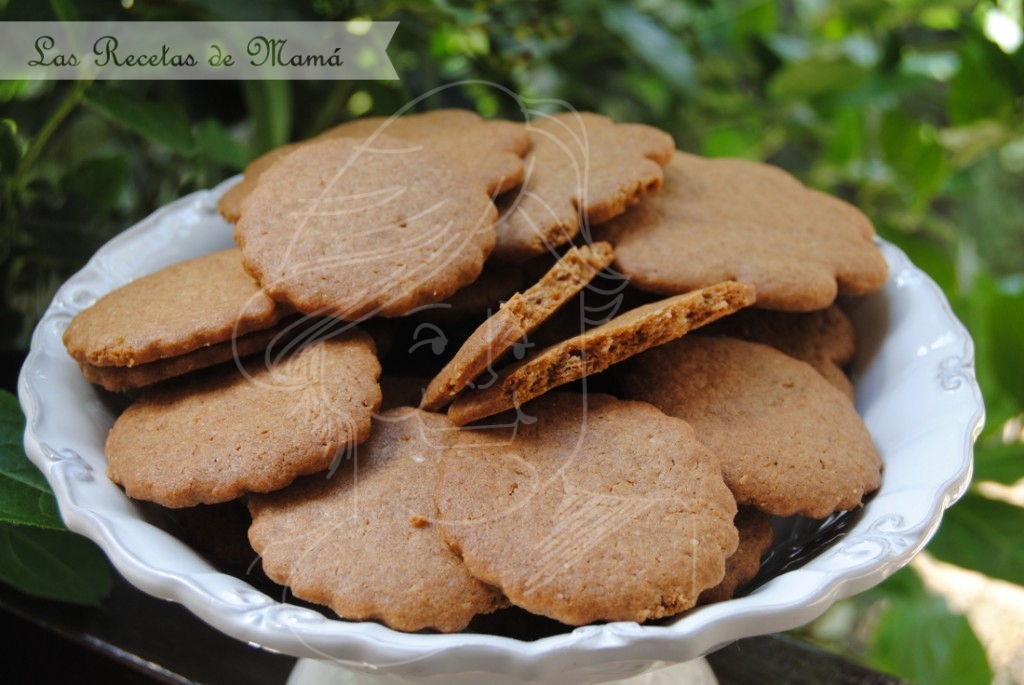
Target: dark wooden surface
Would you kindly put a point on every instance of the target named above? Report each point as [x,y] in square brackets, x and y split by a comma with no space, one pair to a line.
[782,660]
[135,639]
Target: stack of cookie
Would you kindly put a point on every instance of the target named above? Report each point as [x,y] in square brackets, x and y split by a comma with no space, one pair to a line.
[455,365]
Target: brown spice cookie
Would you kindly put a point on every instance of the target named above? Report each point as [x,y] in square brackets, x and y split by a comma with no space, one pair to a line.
[490,150]
[211,437]
[364,541]
[335,228]
[790,443]
[595,350]
[601,509]
[517,318]
[756,539]
[720,219]
[124,378]
[181,308]
[825,338]
[582,168]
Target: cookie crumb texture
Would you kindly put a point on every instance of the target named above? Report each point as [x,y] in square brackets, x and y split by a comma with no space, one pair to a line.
[598,349]
[601,509]
[517,318]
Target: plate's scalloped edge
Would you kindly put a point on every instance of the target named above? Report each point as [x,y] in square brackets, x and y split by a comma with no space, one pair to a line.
[870,552]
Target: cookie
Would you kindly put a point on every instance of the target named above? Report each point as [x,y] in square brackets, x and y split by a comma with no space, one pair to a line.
[517,318]
[825,338]
[336,229]
[721,219]
[597,349]
[125,378]
[213,436]
[365,541]
[491,150]
[582,169]
[756,539]
[601,509]
[179,309]
[790,443]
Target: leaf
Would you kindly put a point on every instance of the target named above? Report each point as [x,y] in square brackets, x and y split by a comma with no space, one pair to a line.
[929,256]
[251,10]
[15,89]
[729,142]
[463,16]
[163,123]
[25,505]
[982,535]
[101,180]
[904,585]
[56,565]
[847,139]
[977,90]
[1006,316]
[64,10]
[13,462]
[924,642]
[216,143]
[10,147]
[12,88]
[25,496]
[913,153]
[755,18]
[971,307]
[999,463]
[815,77]
[973,141]
[270,108]
[658,48]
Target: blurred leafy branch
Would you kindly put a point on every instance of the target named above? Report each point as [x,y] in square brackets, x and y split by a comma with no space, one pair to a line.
[911,109]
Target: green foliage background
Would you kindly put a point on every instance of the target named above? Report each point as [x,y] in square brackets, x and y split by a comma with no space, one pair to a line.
[911,109]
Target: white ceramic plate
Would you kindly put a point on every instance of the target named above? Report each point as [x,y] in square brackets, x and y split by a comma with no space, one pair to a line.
[916,390]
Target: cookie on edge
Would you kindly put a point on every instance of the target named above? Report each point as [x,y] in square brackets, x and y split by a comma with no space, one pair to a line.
[125,378]
[179,309]
[518,317]
[597,349]
[365,541]
[721,219]
[601,509]
[789,442]
[214,436]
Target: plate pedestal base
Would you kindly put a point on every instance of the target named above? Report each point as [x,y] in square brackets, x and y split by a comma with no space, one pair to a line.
[313,672]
